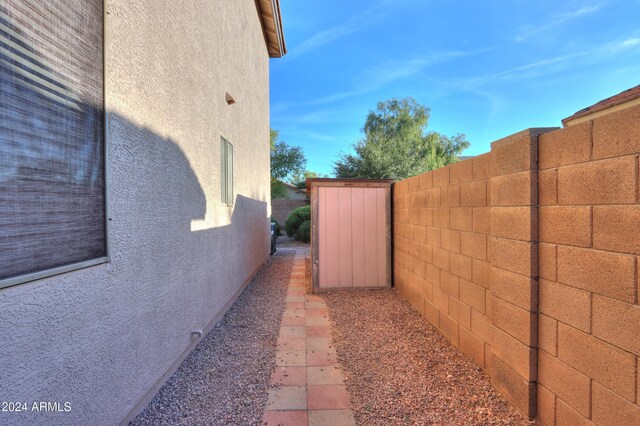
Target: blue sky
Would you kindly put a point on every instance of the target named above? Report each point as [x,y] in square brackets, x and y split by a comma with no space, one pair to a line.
[485,68]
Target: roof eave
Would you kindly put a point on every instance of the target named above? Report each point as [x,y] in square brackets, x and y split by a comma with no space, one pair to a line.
[271,20]
[622,100]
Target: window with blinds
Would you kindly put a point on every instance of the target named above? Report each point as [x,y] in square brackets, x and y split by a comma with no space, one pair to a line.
[226,172]
[52,177]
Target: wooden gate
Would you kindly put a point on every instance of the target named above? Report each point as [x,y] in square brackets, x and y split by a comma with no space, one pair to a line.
[351,233]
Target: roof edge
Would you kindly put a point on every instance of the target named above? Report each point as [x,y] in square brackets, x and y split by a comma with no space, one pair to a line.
[624,99]
[272,29]
[346,182]
[288,185]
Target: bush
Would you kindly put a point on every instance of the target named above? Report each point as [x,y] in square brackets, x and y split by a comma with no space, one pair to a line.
[297,218]
[278,232]
[304,232]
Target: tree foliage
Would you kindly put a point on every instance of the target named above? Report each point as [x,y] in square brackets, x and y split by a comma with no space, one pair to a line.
[297,218]
[299,180]
[278,190]
[304,232]
[396,144]
[286,161]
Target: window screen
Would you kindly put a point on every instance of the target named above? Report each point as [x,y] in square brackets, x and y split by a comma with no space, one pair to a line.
[52,202]
[226,172]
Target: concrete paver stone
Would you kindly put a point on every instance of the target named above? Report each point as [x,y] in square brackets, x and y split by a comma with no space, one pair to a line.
[308,383]
[325,375]
[331,417]
[327,397]
[285,418]
[287,398]
[289,376]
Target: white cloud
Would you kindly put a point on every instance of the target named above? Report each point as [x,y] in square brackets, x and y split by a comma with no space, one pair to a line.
[630,42]
[350,26]
[318,137]
[313,117]
[356,23]
[530,30]
[549,65]
[389,72]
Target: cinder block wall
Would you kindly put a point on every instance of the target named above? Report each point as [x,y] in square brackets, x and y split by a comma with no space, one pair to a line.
[526,258]
[589,318]
[441,227]
[281,209]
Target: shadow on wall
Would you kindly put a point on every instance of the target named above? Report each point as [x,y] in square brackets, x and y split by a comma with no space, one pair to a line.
[155,196]
[103,336]
[182,279]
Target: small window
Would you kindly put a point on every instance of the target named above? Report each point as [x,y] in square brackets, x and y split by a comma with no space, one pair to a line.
[226,172]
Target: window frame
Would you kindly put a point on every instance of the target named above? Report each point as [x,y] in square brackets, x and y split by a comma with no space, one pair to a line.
[75,266]
[226,172]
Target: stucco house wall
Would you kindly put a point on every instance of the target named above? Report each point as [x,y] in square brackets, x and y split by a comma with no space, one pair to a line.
[102,337]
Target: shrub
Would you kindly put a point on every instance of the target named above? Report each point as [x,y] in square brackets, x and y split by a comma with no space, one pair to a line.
[297,218]
[304,232]
[278,232]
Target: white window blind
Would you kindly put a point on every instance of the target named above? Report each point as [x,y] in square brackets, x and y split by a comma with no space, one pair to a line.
[52,184]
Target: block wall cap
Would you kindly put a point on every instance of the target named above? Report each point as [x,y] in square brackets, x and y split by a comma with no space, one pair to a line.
[527,133]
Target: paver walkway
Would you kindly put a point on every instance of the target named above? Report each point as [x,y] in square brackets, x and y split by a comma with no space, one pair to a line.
[308,382]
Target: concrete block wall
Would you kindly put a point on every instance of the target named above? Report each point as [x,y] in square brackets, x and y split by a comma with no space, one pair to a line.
[281,208]
[526,258]
[441,229]
[589,318]
[513,260]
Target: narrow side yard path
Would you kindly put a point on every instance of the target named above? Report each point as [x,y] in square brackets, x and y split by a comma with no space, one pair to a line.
[282,356]
[307,382]
[401,371]
[225,380]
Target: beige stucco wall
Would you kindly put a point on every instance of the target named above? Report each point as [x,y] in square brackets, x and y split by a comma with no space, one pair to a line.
[102,337]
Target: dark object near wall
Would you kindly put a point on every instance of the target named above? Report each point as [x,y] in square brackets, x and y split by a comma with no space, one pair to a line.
[52,177]
[274,238]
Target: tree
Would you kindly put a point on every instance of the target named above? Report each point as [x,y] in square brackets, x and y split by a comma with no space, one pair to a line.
[286,161]
[299,180]
[396,144]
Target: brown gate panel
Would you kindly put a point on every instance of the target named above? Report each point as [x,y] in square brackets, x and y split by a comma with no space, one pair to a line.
[351,233]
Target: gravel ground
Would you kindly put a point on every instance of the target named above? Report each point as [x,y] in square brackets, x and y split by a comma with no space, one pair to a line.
[401,371]
[224,380]
[289,242]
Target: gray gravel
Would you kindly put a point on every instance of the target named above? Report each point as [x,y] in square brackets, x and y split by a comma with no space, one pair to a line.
[401,371]
[289,242]
[225,379]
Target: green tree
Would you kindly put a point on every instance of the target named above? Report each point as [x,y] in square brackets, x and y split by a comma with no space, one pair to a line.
[397,145]
[278,190]
[299,180]
[286,161]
